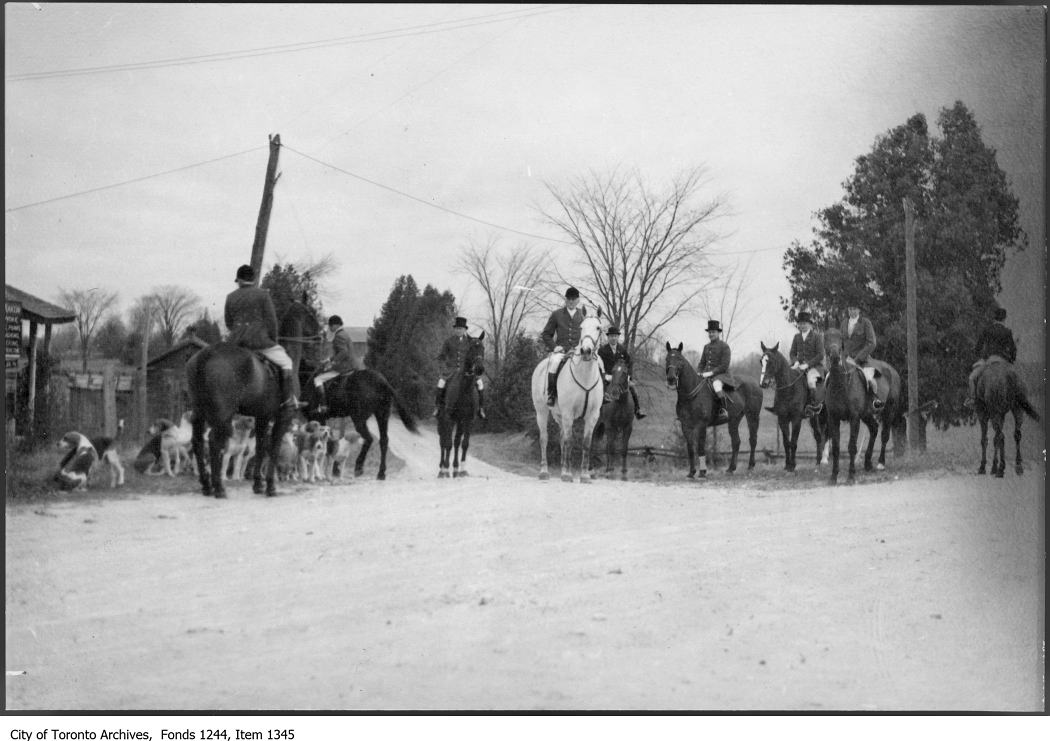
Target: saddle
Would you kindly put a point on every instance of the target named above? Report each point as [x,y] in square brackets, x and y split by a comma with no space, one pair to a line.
[333,379]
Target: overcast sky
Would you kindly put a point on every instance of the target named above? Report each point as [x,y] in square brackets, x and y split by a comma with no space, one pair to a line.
[473,109]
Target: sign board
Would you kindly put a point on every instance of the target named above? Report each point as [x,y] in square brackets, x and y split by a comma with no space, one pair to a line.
[13,345]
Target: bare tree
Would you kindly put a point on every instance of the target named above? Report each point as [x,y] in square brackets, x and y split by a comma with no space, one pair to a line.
[173,308]
[90,306]
[726,298]
[508,279]
[642,252]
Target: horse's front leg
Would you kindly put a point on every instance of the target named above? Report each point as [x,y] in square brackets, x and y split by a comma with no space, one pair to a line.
[833,436]
[999,448]
[566,449]
[541,425]
[688,433]
[854,432]
[1018,417]
[459,452]
[983,421]
[361,425]
[734,442]
[701,455]
[785,436]
[585,462]
[884,435]
[384,444]
[625,436]
[796,429]
[610,450]
[873,432]
[263,443]
[273,451]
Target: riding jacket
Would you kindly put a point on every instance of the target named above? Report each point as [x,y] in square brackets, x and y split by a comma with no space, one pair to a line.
[563,329]
[996,339]
[609,357]
[251,318]
[341,358]
[859,344]
[715,359]
[453,353]
[809,350]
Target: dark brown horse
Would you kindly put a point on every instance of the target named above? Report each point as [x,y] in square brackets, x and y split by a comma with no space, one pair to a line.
[1000,390]
[224,380]
[456,418]
[359,395]
[616,421]
[848,399]
[299,332]
[789,403]
[696,410]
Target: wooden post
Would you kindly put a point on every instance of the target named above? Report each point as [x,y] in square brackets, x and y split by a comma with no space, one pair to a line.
[916,426]
[109,398]
[31,401]
[263,222]
[143,408]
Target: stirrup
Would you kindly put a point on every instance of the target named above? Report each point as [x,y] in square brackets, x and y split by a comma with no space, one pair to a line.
[968,403]
[322,409]
[551,401]
[639,415]
[481,413]
[877,404]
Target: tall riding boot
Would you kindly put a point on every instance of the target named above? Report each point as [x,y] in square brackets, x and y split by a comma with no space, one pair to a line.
[439,401]
[876,403]
[637,407]
[723,409]
[288,389]
[322,401]
[481,404]
[552,389]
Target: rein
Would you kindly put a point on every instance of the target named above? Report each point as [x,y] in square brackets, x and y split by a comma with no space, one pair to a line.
[696,388]
[798,378]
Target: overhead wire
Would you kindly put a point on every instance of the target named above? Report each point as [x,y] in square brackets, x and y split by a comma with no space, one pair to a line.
[421,30]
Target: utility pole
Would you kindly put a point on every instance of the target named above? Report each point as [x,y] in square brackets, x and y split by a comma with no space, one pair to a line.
[263,222]
[143,410]
[916,427]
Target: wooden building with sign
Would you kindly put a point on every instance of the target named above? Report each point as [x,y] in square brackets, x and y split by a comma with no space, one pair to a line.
[24,307]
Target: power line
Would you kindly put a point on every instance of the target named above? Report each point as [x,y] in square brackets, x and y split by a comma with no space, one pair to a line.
[297,46]
[421,200]
[133,180]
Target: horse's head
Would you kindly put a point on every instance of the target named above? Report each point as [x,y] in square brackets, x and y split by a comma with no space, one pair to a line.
[833,347]
[300,332]
[674,364]
[618,382]
[771,362]
[474,358]
[590,336]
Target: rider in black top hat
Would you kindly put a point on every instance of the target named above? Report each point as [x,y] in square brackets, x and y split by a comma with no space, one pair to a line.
[610,353]
[252,320]
[995,344]
[561,333]
[714,364]
[451,360]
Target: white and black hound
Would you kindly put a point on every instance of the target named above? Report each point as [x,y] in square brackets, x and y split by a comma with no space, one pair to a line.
[81,455]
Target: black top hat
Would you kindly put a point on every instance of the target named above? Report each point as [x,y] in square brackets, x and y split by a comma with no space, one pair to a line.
[803,316]
[612,330]
[713,325]
[335,319]
[999,313]
[461,323]
[245,272]
[572,293]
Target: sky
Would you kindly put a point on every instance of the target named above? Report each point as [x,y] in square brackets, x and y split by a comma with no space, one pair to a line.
[136,135]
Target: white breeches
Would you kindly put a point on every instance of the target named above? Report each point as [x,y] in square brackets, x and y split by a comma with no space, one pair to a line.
[278,356]
[812,376]
[320,379]
[716,384]
[869,373]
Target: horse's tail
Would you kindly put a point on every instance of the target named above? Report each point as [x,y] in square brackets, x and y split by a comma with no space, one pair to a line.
[1021,397]
[402,411]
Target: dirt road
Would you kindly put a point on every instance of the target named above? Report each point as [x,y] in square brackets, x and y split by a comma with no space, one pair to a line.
[502,592]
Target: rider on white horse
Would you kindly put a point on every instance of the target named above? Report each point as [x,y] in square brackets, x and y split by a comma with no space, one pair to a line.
[562,332]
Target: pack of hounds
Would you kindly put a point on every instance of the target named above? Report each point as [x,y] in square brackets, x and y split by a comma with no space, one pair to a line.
[310,452]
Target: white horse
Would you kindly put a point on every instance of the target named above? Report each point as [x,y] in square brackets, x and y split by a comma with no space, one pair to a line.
[579,395]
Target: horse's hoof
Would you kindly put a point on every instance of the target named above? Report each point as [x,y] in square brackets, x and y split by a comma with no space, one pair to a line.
[691,475]
[381,476]
[1000,474]
[358,471]
[462,474]
[544,476]
[1019,469]
[566,477]
[220,493]
[258,488]
[701,474]
[206,492]
[981,471]
[880,467]
[833,480]
[851,481]
[271,492]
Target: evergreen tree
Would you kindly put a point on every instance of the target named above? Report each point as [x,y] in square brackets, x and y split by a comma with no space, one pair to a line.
[967,218]
[287,284]
[510,398]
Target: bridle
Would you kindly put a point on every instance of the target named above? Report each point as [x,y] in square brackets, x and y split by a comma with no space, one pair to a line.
[617,390]
[764,383]
[677,365]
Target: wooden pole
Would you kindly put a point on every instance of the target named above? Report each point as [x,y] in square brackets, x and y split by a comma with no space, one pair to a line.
[31,401]
[143,410]
[109,398]
[916,429]
[263,222]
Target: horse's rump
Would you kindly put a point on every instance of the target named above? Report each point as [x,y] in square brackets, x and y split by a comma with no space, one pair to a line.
[222,374]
